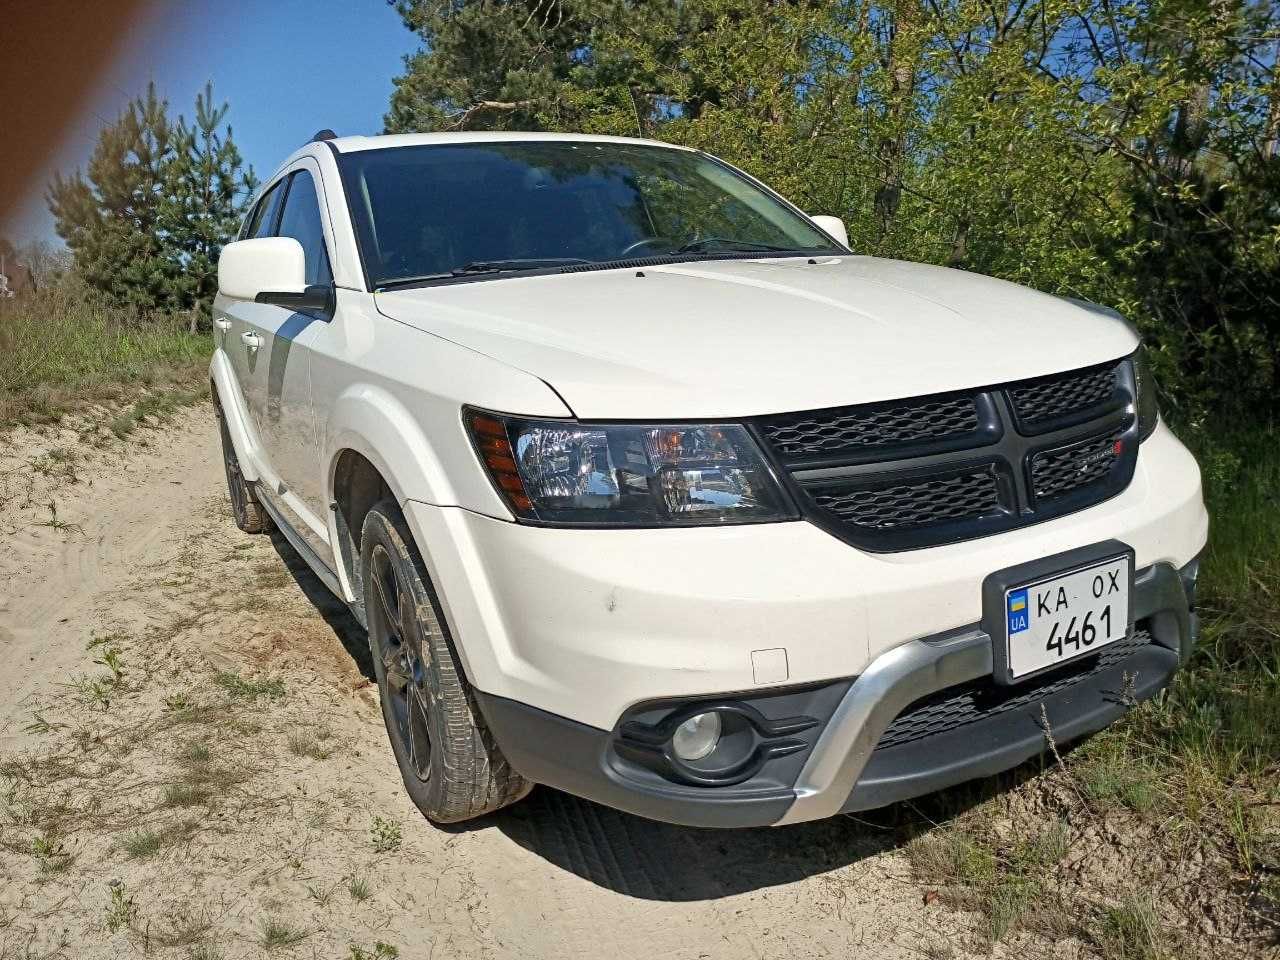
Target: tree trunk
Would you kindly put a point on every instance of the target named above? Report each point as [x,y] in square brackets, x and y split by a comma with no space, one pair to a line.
[1191,126]
[1271,135]
[900,64]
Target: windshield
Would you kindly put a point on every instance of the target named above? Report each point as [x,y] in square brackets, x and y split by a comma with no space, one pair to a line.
[480,210]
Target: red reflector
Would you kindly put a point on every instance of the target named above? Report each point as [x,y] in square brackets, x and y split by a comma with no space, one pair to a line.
[1119,447]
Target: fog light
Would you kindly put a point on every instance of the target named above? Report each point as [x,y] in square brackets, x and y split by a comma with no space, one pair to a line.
[697,736]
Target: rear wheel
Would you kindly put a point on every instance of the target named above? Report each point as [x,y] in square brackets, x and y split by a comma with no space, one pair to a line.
[451,765]
[245,508]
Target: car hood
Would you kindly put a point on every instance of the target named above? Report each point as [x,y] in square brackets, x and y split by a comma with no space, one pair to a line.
[737,338]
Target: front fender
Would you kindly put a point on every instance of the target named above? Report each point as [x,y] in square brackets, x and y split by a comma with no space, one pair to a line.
[375,424]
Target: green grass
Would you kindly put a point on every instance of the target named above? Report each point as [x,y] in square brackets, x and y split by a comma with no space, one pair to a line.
[144,843]
[158,406]
[1214,740]
[1131,930]
[61,350]
[277,933]
[385,834]
[379,951]
[180,795]
[1002,883]
[120,911]
[358,889]
[249,688]
[315,744]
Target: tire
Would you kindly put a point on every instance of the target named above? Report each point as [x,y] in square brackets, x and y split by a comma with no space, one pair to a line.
[451,765]
[245,508]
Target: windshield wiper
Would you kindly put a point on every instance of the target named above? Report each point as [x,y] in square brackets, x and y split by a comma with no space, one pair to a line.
[706,243]
[477,267]
[529,263]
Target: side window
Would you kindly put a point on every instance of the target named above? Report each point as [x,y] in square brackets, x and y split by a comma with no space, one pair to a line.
[301,220]
[263,220]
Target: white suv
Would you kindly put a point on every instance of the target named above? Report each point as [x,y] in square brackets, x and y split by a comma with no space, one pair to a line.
[650,490]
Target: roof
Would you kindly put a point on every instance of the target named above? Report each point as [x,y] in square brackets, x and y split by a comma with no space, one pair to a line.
[354,144]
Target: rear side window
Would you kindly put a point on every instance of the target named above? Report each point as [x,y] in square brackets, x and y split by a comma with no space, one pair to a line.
[301,220]
[263,220]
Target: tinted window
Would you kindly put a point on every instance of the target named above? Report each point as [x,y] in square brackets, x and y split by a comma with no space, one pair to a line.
[264,214]
[429,210]
[301,220]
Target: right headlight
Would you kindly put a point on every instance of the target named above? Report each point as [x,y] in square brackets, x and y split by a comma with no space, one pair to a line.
[627,475]
[1147,400]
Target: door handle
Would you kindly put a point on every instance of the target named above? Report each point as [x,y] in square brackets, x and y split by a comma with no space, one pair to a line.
[251,340]
[221,324]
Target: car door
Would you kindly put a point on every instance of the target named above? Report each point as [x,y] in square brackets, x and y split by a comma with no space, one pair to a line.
[277,343]
[231,327]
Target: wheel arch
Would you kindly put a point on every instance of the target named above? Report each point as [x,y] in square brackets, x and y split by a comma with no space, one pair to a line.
[358,486]
[375,450]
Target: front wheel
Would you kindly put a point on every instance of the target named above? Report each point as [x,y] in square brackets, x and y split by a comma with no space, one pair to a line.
[451,765]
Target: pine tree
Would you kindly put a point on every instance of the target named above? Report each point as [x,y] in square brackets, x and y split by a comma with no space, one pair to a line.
[111,222]
[207,190]
[146,225]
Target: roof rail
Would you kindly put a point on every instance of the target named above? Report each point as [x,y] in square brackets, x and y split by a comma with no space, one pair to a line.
[325,134]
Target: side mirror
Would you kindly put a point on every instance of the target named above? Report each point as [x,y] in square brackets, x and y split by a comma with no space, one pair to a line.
[833,226]
[270,270]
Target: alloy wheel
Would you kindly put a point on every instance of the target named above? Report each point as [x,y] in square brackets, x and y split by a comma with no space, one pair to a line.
[398,643]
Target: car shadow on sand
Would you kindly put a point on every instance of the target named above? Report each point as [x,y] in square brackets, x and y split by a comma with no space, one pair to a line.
[346,628]
[649,860]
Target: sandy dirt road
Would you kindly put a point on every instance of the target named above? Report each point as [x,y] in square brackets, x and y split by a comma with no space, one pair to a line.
[195,766]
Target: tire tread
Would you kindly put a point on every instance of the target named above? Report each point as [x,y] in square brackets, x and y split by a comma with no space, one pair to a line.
[470,777]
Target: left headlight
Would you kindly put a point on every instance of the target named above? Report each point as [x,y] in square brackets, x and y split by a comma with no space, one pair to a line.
[1148,401]
[629,475]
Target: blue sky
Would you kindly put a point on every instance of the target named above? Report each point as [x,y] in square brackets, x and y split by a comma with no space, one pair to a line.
[287,67]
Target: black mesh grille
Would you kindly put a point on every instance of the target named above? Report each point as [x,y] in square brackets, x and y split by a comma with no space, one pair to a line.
[1080,390]
[978,699]
[914,503]
[925,471]
[1055,473]
[831,431]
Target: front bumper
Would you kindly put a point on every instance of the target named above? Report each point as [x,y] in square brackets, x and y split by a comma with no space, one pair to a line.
[848,762]
[585,624]
[566,633]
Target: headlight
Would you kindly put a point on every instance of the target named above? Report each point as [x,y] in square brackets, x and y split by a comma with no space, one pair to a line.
[1147,399]
[638,475]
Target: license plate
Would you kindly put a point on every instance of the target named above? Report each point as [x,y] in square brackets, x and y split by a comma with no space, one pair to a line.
[1066,615]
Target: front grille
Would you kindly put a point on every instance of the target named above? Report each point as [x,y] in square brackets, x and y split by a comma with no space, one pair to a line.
[979,699]
[914,503]
[1055,473]
[885,425]
[1065,394]
[936,469]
